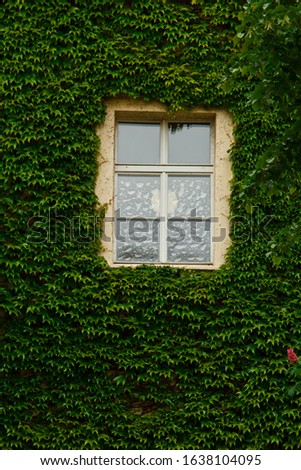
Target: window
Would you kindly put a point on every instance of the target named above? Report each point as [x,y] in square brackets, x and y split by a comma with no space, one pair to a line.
[163,198]
[162,178]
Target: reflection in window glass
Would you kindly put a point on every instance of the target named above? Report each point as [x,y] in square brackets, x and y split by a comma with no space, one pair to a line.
[138,143]
[188,144]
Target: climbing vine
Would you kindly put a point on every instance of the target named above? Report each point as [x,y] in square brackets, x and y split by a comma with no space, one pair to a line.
[151,357]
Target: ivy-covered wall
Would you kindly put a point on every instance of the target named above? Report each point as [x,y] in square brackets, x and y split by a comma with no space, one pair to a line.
[146,358]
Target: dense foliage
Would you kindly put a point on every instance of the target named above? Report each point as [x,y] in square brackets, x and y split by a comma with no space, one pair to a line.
[269,36]
[146,358]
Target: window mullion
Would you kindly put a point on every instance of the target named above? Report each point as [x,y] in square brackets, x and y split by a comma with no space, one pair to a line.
[164,194]
[163,218]
[198,169]
[212,218]
[164,142]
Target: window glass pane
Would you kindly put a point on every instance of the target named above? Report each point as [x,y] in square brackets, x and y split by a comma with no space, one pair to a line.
[137,222]
[188,144]
[138,143]
[137,240]
[188,241]
[188,227]
[189,196]
[138,195]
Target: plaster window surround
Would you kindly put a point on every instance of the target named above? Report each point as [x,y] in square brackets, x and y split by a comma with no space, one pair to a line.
[165,179]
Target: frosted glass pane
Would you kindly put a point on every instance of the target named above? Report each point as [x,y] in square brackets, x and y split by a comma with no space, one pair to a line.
[138,143]
[188,144]
[189,196]
[137,240]
[137,224]
[188,241]
[188,201]
[138,196]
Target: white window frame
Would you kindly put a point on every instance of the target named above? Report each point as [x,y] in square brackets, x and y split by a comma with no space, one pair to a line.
[163,169]
[219,169]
